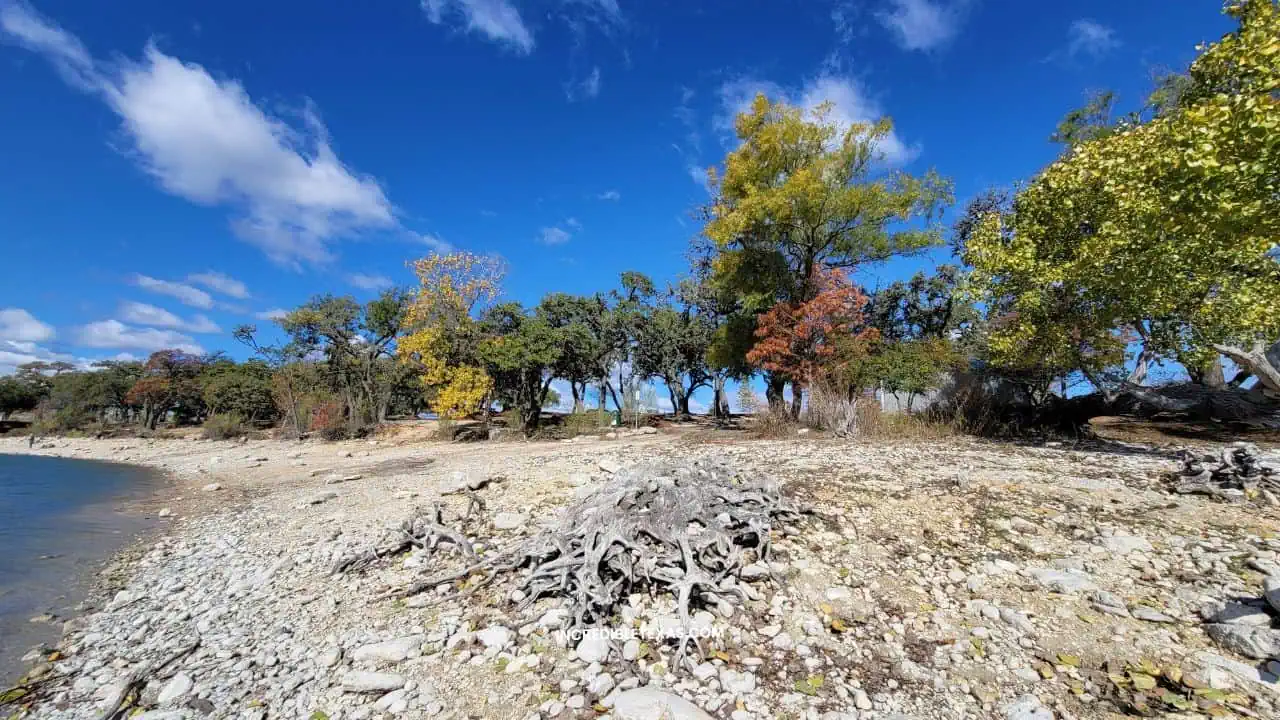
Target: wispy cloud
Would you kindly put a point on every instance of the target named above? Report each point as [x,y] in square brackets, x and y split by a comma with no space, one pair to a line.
[610,195]
[366,281]
[117,335]
[186,294]
[586,88]
[553,236]
[144,314]
[434,242]
[1090,39]
[923,25]
[272,314]
[220,283]
[206,140]
[497,20]
[18,325]
[849,105]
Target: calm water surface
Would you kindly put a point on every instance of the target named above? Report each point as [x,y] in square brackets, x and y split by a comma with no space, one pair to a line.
[59,520]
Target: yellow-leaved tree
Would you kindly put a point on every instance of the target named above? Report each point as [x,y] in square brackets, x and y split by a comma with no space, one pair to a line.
[800,196]
[1162,230]
[443,336]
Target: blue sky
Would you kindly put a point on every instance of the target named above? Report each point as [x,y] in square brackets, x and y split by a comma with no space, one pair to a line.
[171,170]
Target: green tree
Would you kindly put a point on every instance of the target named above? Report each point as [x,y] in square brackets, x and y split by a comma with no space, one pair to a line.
[169,383]
[17,396]
[926,306]
[519,351]
[584,325]
[241,389]
[671,345]
[800,194]
[358,344]
[1163,230]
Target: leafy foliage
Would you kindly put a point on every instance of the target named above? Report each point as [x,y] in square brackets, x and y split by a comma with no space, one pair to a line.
[798,339]
[1165,229]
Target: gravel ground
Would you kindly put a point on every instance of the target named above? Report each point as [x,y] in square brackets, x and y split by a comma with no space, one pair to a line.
[954,579]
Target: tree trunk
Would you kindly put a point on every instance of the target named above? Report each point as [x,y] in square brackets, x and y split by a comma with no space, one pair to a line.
[684,404]
[613,394]
[719,403]
[1259,363]
[773,393]
[577,396]
[675,400]
[797,400]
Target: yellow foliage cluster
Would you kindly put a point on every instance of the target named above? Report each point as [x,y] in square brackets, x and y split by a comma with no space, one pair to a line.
[1174,221]
[450,288]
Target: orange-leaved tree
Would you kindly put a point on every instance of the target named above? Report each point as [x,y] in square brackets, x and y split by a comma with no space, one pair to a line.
[799,340]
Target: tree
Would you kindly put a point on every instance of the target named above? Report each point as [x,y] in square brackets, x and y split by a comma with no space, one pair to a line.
[519,350]
[443,340]
[241,389]
[671,345]
[1163,229]
[358,344]
[169,383]
[800,195]
[584,326]
[926,306]
[17,396]
[799,339]
[914,367]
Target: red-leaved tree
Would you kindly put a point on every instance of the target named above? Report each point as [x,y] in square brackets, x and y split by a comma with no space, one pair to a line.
[799,340]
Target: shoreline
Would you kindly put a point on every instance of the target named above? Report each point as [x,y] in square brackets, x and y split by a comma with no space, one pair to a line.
[928,543]
[64,572]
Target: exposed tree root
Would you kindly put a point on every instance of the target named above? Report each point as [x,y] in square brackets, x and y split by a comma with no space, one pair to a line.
[1235,473]
[687,530]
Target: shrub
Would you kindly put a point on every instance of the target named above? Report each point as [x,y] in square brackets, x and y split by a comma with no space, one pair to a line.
[837,412]
[586,423]
[329,421]
[223,426]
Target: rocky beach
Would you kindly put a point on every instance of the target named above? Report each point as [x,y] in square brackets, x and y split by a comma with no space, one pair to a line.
[957,579]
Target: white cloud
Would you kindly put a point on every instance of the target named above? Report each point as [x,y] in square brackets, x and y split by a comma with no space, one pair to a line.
[610,195]
[1090,38]
[923,24]
[366,281]
[434,242]
[144,314]
[19,326]
[848,99]
[574,223]
[698,174]
[186,294]
[553,236]
[205,140]
[222,283]
[114,334]
[497,20]
[272,314]
[587,87]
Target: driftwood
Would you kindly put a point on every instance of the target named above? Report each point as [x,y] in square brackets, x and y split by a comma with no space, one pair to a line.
[1235,473]
[687,530]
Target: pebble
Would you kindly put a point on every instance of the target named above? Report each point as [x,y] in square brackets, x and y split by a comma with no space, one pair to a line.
[649,703]
[175,689]
[360,681]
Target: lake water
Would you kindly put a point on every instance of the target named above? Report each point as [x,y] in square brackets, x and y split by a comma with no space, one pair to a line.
[59,521]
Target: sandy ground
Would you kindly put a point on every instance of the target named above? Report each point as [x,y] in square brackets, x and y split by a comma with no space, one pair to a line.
[938,563]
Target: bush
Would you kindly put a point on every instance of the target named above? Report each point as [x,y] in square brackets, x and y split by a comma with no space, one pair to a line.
[445,428]
[223,426]
[837,413]
[329,421]
[586,423]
